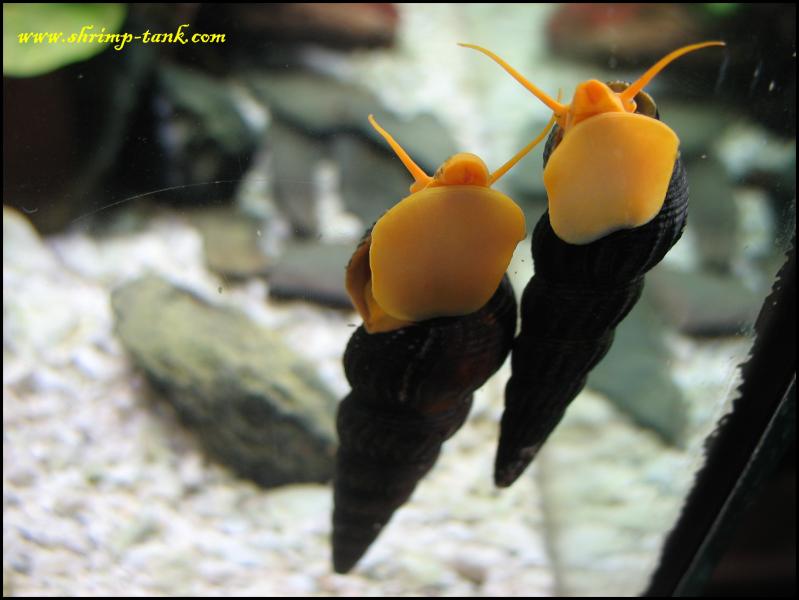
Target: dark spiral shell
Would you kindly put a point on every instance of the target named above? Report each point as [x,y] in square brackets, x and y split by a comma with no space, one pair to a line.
[569,311]
[411,390]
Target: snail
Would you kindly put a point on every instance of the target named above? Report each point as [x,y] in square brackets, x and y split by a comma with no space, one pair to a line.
[439,317]
[617,202]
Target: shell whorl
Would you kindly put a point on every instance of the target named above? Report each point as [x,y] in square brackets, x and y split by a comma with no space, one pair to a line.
[411,390]
[569,311]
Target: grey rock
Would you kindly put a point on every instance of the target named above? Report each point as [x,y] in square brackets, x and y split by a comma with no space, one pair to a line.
[312,271]
[423,137]
[210,105]
[751,152]
[762,160]
[371,180]
[294,156]
[698,126]
[231,242]
[703,304]
[635,375]
[317,104]
[713,213]
[204,134]
[322,106]
[253,404]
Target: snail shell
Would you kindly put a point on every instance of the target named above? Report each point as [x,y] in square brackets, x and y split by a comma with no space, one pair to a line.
[411,390]
[617,202]
[439,319]
[570,309]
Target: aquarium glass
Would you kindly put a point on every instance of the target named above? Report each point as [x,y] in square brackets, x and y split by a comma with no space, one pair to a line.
[183,188]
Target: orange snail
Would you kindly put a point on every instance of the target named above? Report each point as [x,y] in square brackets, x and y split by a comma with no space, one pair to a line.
[439,319]
[617,202]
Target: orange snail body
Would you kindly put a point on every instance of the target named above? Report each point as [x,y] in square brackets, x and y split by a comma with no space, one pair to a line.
[617,202]
[439,319]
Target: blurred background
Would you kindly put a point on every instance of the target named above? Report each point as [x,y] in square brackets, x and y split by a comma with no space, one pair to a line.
[177,218]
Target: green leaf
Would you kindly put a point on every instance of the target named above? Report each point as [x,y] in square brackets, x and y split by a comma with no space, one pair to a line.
[31,58]
[721,9]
